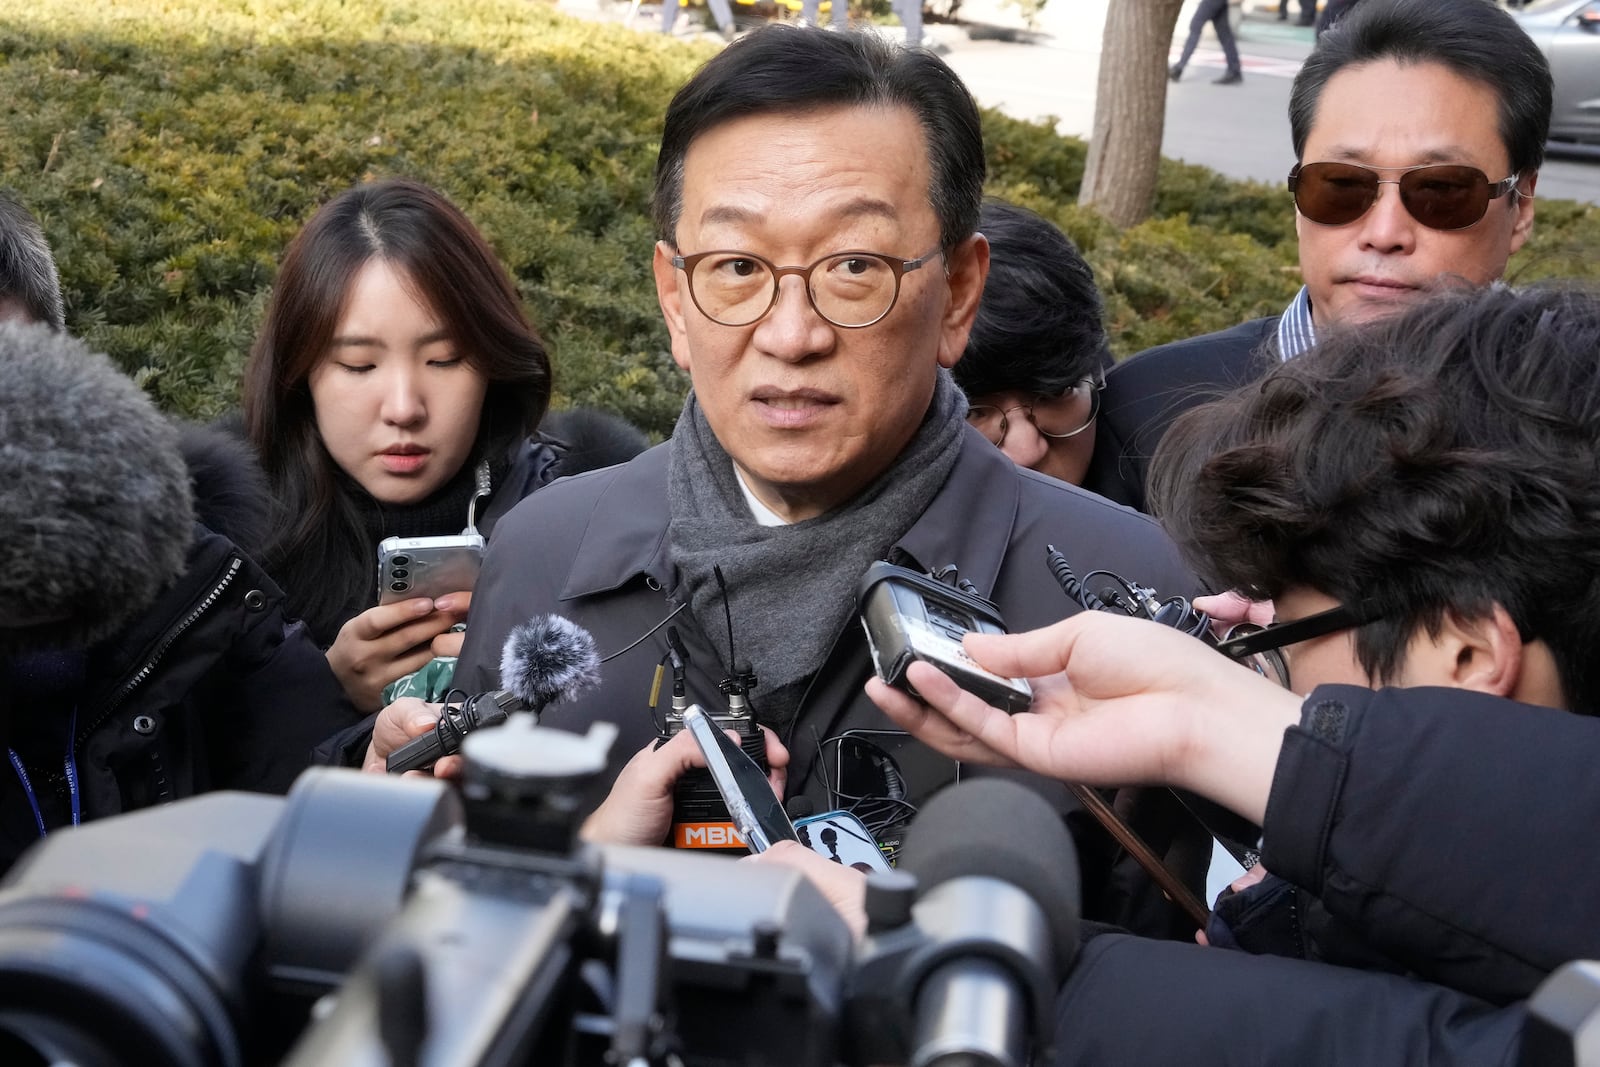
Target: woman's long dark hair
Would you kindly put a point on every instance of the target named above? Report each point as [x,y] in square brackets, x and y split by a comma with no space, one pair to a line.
[318,550]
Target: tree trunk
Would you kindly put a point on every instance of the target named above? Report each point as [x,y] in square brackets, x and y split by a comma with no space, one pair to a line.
[1119,179]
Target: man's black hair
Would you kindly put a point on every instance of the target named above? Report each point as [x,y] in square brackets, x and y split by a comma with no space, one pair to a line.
[788,69]
[27,269]
[1039,327]
[1443,459]
[1473,38]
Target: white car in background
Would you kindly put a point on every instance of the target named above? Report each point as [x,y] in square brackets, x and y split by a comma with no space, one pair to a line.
[1568,31]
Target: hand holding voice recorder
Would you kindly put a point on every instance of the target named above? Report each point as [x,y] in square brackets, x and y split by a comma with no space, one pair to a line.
[911,616]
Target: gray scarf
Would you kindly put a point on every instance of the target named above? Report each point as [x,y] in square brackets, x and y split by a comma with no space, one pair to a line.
[791,588]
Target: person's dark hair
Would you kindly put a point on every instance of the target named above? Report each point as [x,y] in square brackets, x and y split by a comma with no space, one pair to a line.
[1443,459]
[1040,325]
[27,269]
[786,68]
[318,550]
[1473,38]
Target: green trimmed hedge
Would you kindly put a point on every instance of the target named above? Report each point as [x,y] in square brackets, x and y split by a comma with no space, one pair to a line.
[172,147]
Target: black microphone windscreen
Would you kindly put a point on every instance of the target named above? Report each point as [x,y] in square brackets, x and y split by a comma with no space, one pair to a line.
[799,807]
[95,503]
[995,828]
[548,658]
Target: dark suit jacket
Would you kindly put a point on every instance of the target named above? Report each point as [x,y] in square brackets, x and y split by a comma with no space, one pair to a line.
[1145,392]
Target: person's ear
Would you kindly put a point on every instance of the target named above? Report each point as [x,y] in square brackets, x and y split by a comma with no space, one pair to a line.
[1484,654]
[1522,226]
[672,291]
[966,269]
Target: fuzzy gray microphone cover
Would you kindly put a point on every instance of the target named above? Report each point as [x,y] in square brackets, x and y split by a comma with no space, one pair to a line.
[96,514]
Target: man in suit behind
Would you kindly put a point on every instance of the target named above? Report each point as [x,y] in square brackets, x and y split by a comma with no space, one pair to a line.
[1419,129]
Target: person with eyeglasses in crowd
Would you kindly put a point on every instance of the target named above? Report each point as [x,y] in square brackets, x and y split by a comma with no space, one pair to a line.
[1036,358]
[819,266]
[1419,496]
[1419,128]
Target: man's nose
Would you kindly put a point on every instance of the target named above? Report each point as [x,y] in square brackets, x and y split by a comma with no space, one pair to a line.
[793,329]
[1387,226]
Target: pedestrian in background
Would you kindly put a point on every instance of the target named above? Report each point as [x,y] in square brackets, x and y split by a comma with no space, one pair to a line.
[1216,13]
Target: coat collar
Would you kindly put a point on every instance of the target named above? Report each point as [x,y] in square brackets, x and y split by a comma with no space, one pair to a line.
[626,536]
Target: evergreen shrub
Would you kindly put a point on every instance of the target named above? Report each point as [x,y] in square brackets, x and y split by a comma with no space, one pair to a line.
[171,148]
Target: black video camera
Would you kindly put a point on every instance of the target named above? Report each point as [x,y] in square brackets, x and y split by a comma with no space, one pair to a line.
[472,927]
[373,920]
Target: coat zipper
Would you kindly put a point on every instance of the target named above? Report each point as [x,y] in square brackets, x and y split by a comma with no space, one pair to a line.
[234,566]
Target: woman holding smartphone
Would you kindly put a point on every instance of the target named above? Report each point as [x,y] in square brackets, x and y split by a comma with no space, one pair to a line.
[395,377]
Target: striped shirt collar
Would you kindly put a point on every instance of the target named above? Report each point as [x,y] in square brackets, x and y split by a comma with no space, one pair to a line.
[1296,334]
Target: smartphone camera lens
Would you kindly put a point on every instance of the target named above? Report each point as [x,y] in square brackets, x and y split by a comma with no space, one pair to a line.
[400,572]
[399,586]
[400,561]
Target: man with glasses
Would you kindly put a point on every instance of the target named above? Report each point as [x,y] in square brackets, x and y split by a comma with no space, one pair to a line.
[1419,128]
[1036,358]
[819,266]
[1419,498]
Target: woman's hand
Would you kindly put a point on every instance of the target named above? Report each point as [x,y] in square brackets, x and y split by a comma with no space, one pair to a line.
[390,641]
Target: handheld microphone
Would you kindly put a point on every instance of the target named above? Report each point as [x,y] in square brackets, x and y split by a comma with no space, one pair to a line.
[998,900]
[545,659]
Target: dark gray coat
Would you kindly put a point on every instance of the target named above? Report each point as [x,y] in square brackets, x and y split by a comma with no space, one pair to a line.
[594,549]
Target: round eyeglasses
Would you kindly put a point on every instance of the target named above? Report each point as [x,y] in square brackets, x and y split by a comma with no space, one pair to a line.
[1065,415]
[851,289]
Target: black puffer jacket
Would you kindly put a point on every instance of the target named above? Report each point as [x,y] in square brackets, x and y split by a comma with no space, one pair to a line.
[210,687]
[1451,829]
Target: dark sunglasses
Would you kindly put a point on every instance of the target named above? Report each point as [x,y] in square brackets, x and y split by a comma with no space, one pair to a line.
[1440,196]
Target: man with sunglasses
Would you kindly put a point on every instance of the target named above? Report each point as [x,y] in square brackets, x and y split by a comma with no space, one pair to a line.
[818,267]
[1419,498]
[1419,128]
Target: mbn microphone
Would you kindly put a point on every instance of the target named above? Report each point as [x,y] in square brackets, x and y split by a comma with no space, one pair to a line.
[547,658]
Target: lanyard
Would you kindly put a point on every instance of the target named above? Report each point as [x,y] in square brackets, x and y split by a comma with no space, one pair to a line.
[71,764]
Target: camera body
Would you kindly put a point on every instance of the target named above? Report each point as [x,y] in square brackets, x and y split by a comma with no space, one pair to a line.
[375,921]
[467,928]
[910,616]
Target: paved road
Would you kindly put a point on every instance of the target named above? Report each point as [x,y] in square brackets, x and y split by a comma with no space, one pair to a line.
[1050,70]
[1240,130]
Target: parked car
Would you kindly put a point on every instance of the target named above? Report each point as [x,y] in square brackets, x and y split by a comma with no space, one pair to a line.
[1569,33]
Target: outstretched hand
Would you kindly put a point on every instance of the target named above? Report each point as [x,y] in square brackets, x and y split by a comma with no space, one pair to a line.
[1116,702]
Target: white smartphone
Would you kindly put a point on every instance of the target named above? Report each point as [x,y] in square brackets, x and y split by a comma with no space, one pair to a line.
[428,566]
